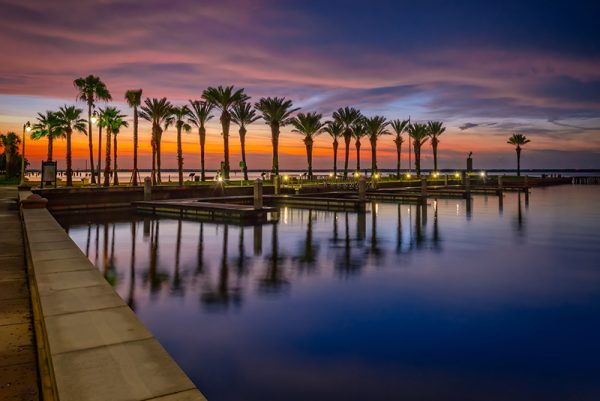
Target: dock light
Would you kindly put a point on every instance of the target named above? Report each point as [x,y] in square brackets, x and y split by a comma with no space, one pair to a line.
[220,179]
[435,175]
[482,174]
[356,174]
[286,177]
[457,175]
[376,176]
[407,175]
[330,174]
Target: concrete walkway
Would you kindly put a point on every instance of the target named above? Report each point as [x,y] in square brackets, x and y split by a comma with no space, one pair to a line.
[18,364]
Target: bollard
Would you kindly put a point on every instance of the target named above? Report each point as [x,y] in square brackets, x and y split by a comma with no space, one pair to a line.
[526,181]
[258,194]
[424,187]
[445,180]
[276,185]
[500,183]
[147,189]
[467,182]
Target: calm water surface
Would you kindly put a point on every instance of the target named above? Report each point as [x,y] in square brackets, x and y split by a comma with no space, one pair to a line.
[492,302]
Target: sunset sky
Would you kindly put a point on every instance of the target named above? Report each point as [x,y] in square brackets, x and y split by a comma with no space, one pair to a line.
[487,69]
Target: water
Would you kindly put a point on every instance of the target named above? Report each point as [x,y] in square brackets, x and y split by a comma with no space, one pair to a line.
[491,302]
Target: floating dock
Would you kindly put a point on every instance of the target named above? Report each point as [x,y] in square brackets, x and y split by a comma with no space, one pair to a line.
[200,209]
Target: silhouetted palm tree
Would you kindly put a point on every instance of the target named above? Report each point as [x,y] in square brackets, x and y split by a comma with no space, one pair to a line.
[243,115]
[518,140]
[276,111]
[310,126]
[375,127]
[399,127]
[224,98]
[111,119]
[117,124]
[69,120]
[358,132]
[419,134]
[157,111]
[200,114]
[10,142]
[346,117]
[134,99]
[180,114]
[335,131]
[90,89]
[436,128]
[46,128]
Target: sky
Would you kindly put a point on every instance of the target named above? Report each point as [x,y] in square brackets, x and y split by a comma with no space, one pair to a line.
[487,69]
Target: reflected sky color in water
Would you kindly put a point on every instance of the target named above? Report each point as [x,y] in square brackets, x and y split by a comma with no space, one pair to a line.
[489,301]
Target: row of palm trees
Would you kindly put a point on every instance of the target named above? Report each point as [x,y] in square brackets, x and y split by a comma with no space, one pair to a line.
[347,123]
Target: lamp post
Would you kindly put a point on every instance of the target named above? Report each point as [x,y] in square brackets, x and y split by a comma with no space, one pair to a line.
[26,129]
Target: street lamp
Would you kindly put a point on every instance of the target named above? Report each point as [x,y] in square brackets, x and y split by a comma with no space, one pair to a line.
[26,129]
[94,117]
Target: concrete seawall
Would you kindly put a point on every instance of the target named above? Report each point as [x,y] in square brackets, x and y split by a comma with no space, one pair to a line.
[91,346]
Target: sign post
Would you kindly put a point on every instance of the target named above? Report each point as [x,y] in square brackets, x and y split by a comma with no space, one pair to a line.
[48,174]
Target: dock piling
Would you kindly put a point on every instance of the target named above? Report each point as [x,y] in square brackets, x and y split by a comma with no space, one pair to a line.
[424,188]
[258,194]
[362,188]
[147,189]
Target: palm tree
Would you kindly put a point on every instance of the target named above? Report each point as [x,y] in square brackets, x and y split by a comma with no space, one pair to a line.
[116,126]
[346,117]
[199,115]
[10,142]
[68,119]
[335,131]
[180,114]
[243,114]
[310,126]
[111,119]
[518,140]
[419,133]
[399,127]
[224,98]
[359,131]
[375,127]
[134,99]
[436,128]
[91,89]
[46,128]
[276,111]
[156,111]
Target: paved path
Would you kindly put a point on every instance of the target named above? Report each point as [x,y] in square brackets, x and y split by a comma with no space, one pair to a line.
[18,365]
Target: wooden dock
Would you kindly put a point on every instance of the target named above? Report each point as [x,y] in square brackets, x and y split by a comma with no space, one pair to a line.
[349,202]
[213,211]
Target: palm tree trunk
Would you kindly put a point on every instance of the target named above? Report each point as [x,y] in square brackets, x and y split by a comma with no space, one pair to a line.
[243,146]
[69,166]
[434,146]
[417,148]
[179,155]
[99,154]
[357,144]
[107,160]
[115,170]
[91,145]
[158,171]
[153,173]
[50,145]
[398,154]
[225,123]
[347,139]
[309,159]
[202,134]
[275,142]
[518,161]
[335,149]
[135,146]
[373,156]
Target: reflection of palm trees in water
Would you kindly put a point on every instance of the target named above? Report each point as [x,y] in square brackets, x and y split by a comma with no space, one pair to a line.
[309,253]
[273,281]
[131,296]
[520,219]
[200,263]
[87,244]
[257,230]
[222,295]
[242,258]
[399,230]
[436,231]
[346,263]
[154,276]
[374,246]
[176,286]
[97,244]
